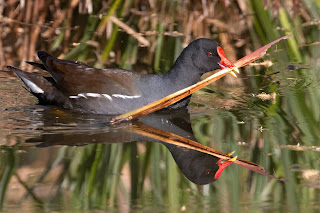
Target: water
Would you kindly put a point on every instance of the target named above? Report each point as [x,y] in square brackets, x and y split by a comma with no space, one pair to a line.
[57,160]
[54,160]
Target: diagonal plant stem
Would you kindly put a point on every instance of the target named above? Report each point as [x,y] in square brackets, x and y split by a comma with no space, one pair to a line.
[28,189]
[177,140]
[177,96]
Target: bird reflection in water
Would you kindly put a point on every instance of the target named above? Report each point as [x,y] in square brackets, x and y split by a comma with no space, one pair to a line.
[172,128]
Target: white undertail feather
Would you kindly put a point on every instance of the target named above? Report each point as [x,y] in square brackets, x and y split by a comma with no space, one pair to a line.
[32,86]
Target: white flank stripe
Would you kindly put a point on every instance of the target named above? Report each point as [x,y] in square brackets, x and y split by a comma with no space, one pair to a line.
[95,95]
[107,96]
[126,96]
[33,87]
[82,95]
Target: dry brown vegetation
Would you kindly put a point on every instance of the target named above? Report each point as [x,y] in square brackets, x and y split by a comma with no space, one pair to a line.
[90,28]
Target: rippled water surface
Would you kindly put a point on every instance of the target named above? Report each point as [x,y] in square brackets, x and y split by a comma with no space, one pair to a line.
[57,160]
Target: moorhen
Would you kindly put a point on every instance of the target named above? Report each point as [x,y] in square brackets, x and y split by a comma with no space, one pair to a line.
[76,85]
[198,167]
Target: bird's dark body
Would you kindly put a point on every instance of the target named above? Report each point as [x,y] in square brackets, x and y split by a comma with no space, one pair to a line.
[77,86]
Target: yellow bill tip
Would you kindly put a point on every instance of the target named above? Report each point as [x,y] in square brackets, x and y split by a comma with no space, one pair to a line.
[231,153]
[233,159]
[233,74]
[235,69]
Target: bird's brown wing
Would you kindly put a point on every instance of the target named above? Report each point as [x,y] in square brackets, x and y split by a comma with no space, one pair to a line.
[74,77]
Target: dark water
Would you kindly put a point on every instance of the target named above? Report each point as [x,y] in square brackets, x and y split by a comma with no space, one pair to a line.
[57,160]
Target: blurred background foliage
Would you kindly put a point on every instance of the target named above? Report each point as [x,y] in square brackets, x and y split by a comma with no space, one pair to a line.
[147,36]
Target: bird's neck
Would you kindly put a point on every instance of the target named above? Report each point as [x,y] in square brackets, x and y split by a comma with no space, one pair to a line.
[183,73]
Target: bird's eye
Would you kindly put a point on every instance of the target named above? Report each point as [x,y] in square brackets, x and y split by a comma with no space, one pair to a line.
[210,54]
[208,171]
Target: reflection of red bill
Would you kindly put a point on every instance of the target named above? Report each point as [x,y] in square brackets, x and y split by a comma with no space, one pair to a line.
[225,62]
[223,164]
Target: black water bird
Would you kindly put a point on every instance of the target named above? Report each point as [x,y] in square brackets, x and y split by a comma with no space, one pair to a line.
[76,85]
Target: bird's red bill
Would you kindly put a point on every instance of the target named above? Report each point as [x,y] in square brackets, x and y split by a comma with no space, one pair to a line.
[224,61]
[222,165]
